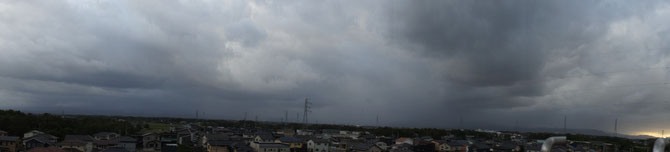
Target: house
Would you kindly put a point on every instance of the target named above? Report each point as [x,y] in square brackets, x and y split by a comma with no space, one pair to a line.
[441,145]
[220,146]
[403,146]
[287,132]
[168,138]
[532,147]
[318,145]
[365,147]
[41,140]
[303,132]
[264,138]
[46,149]
[151,142]
[404,140]
[31,133]
[105,135]
[128,143]
[293,142]
[3,133]
[104,144]
[270,147]
[330,133]
[241,147]
[507,147]
[213,137]
[423,146]
[82,143]
[383,145]
[458,146]
[9,143]
[480,147]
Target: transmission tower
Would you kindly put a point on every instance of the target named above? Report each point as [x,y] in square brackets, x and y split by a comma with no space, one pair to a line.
[308,105]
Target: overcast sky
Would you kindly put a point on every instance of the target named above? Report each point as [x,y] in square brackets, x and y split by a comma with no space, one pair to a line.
[495,64]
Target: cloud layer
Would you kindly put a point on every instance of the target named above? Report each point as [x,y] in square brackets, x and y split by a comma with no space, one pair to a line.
[414,63]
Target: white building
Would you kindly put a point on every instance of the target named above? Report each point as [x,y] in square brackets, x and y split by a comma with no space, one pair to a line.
[318,145]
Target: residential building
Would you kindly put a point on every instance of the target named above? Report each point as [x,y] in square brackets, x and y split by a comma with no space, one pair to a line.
[220,146]
[128,143]
[105,135]
[404,140]
[264,138]
[46,149]
[318,145]
[151,142]
[82,143]
[365,147]
[270,147]
[9,143]
[31,133]
[293,142]
[41,140]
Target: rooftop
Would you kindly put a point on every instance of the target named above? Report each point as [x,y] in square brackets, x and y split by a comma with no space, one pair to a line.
[9,138]
[272,145]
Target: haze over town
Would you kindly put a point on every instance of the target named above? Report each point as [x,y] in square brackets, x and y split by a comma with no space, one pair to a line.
[441,64]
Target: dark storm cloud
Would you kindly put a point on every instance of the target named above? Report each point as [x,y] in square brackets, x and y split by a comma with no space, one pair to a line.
[490,62]
[502,44]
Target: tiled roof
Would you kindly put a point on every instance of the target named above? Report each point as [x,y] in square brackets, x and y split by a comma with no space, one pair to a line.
[9,138]
[46,149]
[289,139]
[272,145]
[78,137]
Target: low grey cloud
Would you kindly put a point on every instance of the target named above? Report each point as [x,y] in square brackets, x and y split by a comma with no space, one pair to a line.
[413,63]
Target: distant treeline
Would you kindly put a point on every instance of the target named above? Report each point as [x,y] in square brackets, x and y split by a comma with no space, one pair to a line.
[16,123]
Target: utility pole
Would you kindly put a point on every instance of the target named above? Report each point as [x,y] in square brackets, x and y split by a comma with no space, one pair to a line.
[286,116]
[377,124]
[196,114]
[307,110]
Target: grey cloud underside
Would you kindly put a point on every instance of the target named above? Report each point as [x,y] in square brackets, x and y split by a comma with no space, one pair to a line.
[490,62]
